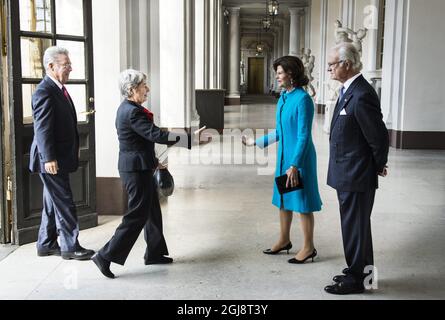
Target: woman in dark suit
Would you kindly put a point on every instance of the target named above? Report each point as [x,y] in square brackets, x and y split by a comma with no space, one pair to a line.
[137,137]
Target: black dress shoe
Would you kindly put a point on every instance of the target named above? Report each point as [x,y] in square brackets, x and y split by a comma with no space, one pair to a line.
[285,248]
[159,260]
[49,252]
[339,278]
[83,254]
[311,256]
[103,265]
[342,288]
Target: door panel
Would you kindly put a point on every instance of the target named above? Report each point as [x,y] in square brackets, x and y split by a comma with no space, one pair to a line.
[31,28]
[256,76]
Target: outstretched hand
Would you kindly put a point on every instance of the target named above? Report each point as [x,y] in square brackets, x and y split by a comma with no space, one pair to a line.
[249,142]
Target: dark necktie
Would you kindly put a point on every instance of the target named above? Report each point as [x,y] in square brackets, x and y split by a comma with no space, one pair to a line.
[66,94]
[342,93]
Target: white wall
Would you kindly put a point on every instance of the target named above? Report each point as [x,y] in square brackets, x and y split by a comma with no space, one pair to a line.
[412,81]
[171,59]
[424,108]
[106,71]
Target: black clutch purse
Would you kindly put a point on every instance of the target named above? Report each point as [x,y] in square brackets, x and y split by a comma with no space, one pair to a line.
[281,184]
[164,182]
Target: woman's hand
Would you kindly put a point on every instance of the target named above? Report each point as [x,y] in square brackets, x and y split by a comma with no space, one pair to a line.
[248,142]
[292,177]
[162,167]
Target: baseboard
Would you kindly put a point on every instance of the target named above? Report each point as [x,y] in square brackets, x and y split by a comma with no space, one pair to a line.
[232,101]
[417,140]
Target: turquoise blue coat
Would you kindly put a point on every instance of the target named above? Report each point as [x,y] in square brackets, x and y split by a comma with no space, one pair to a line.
[295,113]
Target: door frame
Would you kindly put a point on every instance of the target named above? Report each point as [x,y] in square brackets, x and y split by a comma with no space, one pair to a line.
[4,227]
[25,229]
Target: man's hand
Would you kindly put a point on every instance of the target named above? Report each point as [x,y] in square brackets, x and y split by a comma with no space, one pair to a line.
[249,142]
[384,173]
[292,177]
[52,167]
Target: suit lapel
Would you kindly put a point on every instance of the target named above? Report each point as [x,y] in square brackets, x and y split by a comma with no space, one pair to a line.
[344,102]
[58,92]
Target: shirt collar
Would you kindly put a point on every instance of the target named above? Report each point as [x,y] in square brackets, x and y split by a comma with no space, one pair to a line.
[348,83]
[56,82]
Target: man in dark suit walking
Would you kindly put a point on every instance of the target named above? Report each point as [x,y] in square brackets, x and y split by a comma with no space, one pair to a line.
[359,146]
[54,155]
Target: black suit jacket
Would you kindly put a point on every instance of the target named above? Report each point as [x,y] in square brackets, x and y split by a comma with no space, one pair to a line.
[55,129]
[137,137]
[359,141]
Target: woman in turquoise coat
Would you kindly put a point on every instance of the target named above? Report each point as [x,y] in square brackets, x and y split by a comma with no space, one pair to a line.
[296,152]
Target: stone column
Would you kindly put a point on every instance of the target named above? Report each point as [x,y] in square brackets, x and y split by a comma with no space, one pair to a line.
[372,24]
[207,43]
[280,39]
[307,28]
[276,52]
[294,33]
[219,45]
[302,28]
[233,96]
[348,13]
[286,34]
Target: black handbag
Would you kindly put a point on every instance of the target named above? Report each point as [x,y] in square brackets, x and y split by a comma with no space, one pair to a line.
[281,184]
[164,182]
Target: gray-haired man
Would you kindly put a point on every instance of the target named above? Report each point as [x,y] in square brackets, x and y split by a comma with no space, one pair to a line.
[359,146]
[54,155]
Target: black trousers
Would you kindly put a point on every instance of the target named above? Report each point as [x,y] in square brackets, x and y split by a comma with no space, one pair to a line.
[355,210]
[144,212]
[59,217]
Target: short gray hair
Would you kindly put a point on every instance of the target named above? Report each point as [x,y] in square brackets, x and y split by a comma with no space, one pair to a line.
[348,52]
[130,79]
[51,55]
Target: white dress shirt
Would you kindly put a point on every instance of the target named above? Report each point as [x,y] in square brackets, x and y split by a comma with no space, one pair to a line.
[348,83]
[55,81]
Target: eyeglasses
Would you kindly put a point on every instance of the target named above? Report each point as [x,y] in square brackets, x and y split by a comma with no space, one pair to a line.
[65,66]
[330,65]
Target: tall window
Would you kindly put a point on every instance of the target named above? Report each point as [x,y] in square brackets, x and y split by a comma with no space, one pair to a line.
[381,34]
[44,23]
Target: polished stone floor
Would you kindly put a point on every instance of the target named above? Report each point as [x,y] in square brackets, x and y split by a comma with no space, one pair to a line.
[220,218]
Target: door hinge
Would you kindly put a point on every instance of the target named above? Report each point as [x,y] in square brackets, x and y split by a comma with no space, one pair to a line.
[4,47]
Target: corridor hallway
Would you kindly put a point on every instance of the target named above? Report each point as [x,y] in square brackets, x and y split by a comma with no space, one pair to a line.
[220,218]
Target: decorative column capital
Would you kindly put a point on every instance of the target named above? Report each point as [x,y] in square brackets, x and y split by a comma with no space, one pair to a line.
[294,11]
[234,10]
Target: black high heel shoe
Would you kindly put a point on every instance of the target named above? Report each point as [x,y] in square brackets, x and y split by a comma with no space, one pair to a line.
[286,248]
[311,256]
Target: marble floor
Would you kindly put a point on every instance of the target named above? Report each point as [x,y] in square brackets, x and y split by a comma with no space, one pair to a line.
[220,218]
